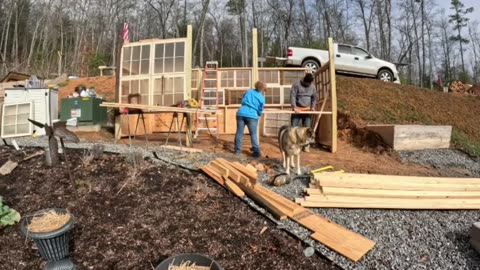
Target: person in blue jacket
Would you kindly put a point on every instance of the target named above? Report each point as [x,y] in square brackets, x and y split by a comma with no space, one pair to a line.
[253,102]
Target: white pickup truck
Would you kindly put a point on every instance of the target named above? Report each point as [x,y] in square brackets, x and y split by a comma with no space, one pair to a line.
[348,59]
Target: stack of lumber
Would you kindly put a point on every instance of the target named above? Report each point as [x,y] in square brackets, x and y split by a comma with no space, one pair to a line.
[391,192]
[241,180]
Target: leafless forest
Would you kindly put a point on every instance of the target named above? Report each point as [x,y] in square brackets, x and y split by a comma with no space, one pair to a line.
[49,37]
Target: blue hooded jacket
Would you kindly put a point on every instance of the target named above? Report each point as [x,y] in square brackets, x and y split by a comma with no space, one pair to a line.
[252,104]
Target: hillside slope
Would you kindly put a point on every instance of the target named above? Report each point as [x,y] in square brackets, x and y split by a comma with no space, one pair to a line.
[376,102]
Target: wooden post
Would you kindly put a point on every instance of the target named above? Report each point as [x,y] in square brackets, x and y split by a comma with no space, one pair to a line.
[254,56]
[188,62]
[333,90]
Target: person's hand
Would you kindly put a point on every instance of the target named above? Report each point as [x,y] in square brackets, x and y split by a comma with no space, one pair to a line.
[312,109]
[296,110]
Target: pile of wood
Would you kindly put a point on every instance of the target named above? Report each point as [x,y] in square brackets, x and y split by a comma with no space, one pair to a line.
[241,180]
[335,190]
[459,87]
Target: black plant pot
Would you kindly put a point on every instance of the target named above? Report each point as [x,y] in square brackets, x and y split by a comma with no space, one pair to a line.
[54,245]
[198,259]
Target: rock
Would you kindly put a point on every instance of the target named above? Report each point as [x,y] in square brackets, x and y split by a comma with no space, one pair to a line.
[308,252]
[260,167]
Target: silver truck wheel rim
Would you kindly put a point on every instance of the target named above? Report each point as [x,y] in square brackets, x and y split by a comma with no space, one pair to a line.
[311,67]
[385,76]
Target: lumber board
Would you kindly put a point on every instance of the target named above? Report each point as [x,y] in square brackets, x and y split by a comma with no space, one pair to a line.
[281,203]
[151,108]
[8,167]
[251,176]
[353,199]
[251,168]
[292,112]
[436,206]
[277,213]
[234,188]
[213,174]
[334,236]
[222,170]
[391,182]
[179,148]
[235,175]
[391,193]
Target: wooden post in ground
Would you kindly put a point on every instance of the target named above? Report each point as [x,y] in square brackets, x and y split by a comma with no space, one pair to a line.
[188,62]
[333,91]
[255,70]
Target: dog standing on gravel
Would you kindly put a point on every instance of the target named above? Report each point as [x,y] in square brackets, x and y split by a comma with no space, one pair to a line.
[291,140]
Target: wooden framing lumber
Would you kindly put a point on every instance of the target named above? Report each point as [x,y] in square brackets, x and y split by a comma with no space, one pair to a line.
[292,112]
[382,200]
[234,188]
[235,175]
[285,205]
[213,174]
[178,148]
[391,193]
[334,236]
[152,108]
[249,174]
[277,213]
[411,206]
[365,181]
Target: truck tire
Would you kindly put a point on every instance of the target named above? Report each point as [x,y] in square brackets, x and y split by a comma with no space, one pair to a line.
[311,65]
[385,75]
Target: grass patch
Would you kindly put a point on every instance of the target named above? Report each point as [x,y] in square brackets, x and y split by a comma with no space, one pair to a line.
[460,140]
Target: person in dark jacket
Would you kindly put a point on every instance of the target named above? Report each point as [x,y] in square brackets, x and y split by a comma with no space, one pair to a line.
[303,97]
[253,102]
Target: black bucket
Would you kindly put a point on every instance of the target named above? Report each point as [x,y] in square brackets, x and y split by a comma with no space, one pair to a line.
[197,259]
[54,245]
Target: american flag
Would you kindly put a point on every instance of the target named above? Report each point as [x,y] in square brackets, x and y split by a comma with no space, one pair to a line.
[125,32]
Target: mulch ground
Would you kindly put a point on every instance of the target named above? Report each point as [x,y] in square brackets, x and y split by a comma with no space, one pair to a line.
[133,217]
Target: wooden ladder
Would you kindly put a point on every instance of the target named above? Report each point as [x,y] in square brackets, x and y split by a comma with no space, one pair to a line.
[207,121]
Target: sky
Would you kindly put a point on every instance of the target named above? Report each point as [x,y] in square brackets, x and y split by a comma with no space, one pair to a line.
[468,3]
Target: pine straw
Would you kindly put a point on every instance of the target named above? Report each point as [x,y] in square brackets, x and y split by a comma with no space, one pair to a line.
[48,222]
[187,266]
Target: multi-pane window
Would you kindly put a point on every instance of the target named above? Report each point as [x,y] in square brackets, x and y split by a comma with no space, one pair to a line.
[136,60]
[227,78]
[132,87]
[269,76]
[272,95]
[289,77]
[169,57]
[243,78]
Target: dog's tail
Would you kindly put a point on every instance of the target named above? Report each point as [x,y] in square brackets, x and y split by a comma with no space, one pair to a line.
[282,130]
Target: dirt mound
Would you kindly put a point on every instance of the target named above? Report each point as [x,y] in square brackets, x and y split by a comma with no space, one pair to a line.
[376,102]
[104,86]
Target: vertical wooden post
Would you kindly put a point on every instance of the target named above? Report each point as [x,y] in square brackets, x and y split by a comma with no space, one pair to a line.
[188,63]
[333,91]
[254,56]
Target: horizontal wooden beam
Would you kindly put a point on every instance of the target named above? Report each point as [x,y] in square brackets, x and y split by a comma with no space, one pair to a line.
[370,181]
[292,112]
[390,193]
[412,206]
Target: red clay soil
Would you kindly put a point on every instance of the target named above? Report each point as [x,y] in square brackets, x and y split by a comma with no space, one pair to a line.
[374,101]
[104,86]
[160,211]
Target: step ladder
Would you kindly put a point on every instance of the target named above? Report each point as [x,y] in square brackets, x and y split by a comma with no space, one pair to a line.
[207,121]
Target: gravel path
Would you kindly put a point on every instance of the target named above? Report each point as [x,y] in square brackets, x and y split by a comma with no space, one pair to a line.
[405,239]
[443,159]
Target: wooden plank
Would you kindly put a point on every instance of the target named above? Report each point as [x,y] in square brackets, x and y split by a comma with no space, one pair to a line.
[235,175]
[333,94]
[8,167]
[251,176]
[188,60]
[395,201]
[151,108]
[391,193]
[285,205]
[292,112]
[251,168]
[254,56]
[178,148]
[437,206]
[213,174]
[222,170]
[366,181]
[355,252]
[277,213]
[234,188]
[334,236]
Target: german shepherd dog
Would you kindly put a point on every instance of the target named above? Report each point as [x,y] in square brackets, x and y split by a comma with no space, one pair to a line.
[291,140]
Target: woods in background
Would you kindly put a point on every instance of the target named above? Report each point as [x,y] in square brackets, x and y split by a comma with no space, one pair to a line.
[50,37]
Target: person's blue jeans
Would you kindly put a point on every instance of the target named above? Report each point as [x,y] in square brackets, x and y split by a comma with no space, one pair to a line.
[252,125]
[305,119]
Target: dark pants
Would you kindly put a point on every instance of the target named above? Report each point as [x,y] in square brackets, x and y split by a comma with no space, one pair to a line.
[252,129]
[304,119]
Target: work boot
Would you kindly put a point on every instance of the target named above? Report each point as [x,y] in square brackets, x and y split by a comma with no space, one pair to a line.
[306,148]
